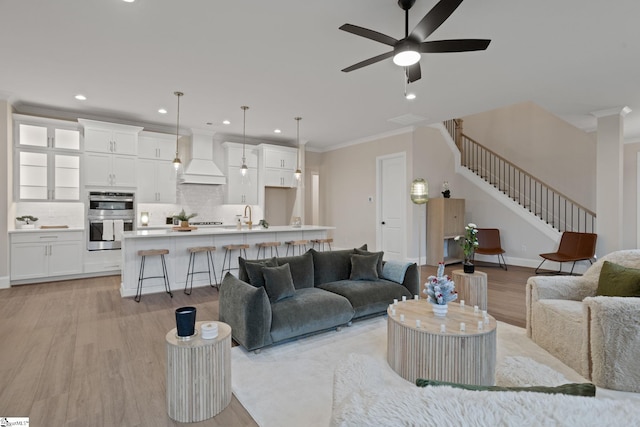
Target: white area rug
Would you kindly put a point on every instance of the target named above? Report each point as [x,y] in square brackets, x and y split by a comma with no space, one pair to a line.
[292,384]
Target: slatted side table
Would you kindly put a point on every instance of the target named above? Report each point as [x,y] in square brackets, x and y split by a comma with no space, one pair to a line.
[198,375]
[413,352]
[472,288]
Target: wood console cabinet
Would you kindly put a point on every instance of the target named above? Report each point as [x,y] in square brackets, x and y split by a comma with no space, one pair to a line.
[445,221]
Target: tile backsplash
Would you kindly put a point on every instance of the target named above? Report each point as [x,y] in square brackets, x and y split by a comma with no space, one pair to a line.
[52,213]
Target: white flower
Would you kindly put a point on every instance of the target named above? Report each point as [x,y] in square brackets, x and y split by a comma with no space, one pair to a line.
[472,225]
[456,238]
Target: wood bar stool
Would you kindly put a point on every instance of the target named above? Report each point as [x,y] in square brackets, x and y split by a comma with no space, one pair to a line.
[228,253]
[321,243]
[192,263]
[265,245]
[152,252]
[296,244]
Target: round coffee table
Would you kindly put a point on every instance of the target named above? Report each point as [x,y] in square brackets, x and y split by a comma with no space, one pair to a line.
[198,374]
[467,357]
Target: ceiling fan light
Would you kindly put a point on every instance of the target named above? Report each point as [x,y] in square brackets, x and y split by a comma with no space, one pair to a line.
[406,58]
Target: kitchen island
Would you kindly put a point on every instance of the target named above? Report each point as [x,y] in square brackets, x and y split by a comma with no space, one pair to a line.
[177,242]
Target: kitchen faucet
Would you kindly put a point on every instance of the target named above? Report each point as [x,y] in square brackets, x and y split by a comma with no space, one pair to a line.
[249,223]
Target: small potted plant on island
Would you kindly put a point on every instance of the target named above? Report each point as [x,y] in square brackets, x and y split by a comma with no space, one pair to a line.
[469,243]
[441,291]
[184,218]
[26,221]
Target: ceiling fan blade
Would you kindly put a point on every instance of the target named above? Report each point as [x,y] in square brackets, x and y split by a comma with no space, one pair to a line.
[434,18]
[369,34]
[460,45]
[369,61]
[413,72]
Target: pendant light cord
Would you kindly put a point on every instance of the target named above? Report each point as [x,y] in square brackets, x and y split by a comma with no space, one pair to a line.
[178,94]
[244,132]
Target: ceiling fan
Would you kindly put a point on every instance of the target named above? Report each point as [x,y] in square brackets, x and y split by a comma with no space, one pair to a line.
[406,52]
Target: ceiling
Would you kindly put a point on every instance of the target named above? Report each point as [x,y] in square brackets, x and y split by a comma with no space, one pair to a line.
[283,59]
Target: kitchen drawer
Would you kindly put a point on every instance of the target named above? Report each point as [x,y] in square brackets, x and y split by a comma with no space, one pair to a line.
[46,236]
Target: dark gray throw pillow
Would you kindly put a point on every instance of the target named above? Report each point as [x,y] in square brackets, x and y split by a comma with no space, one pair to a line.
[364,267]
[380,255]
[278,282]
[301,267]
[254,269]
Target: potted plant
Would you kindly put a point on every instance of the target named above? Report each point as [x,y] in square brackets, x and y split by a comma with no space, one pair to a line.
[184,218]
[469,243]
[27,221]
[441,291]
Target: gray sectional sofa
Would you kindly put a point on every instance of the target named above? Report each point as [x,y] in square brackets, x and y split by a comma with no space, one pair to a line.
[278,299]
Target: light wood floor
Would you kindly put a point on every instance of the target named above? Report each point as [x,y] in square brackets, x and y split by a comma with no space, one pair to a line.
[75,353]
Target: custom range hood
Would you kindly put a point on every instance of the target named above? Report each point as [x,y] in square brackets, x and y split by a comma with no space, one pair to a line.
[201,169]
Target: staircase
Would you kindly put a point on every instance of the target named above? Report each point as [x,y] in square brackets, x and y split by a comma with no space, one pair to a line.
[539,198]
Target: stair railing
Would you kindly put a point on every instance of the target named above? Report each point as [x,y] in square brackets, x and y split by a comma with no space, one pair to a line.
[541,199]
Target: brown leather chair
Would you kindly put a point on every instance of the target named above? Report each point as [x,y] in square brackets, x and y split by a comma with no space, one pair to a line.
[489,244]
[573,247]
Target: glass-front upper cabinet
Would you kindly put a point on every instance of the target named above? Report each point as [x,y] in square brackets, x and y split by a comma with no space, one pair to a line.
[47,159]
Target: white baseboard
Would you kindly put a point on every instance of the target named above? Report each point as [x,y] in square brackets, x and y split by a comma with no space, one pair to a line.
[4,282]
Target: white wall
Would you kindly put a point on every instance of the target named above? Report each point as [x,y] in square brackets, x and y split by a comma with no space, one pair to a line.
[6,181]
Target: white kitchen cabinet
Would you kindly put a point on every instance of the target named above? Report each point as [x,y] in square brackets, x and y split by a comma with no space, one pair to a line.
[278,165]
[241,190]
[109,170]
[46,254]
[156,181]
[280,157]
[47,159]
[158,146]
[101,137]
[234,155]
[278,178]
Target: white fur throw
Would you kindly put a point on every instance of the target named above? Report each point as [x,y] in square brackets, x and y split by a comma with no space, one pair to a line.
[368,393]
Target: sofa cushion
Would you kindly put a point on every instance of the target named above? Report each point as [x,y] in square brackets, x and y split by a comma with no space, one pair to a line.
[364,267]
[367,297]
[250,271]
[332,265]
[380,254]
[278,282]
[310,310]
[301,269]
[618,281]
[575,389]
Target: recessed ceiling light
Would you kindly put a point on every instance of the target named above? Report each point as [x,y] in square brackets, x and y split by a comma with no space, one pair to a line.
[128,1]
[162,111]
[226,122]
[410,96]
[81,97]
[277,131]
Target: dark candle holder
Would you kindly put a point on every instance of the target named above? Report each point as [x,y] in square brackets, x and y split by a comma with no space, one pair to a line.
[186,322]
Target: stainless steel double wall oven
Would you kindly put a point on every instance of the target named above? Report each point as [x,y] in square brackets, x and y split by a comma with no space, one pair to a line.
[108,206]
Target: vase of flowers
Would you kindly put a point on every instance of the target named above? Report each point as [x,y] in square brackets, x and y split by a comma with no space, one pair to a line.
[468,242]
[440,291]
[184,218]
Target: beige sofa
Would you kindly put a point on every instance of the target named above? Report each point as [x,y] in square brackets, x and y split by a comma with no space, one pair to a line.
[599,337]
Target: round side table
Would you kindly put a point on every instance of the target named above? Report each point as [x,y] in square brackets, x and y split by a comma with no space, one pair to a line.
[198,374]
[472,288]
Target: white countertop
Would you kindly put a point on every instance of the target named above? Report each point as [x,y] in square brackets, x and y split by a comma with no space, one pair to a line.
[207,230]
[45,230]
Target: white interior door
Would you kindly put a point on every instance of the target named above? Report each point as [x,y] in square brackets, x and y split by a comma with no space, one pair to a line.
[391,234]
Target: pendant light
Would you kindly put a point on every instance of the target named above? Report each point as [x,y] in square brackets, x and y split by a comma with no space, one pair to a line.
[420,196]
[244,169]
[298,172]
[177,164]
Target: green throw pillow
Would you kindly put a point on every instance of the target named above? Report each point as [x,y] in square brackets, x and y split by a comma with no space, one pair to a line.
[254,269]
[364,267]
[575,389]
[278,282]
[380,255]
[618,281]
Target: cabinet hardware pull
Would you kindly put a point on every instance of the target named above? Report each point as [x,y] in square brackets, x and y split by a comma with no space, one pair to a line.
[115,146]
[48,237]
